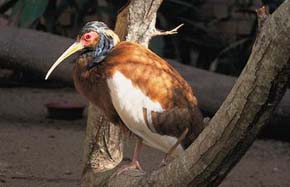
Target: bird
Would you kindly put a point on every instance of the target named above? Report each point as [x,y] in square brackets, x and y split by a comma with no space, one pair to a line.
[135,88]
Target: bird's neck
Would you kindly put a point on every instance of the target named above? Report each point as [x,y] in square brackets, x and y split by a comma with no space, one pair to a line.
[105,45]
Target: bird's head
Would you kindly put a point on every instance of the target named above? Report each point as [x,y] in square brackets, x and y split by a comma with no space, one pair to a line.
[94,36]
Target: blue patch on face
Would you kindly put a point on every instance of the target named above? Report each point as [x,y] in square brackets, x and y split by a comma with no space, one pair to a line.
[106,43]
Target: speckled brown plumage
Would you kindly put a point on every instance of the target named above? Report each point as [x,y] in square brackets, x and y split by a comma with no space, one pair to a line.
[92,85]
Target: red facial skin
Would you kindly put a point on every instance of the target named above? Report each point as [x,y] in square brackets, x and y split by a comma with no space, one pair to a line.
[89,39]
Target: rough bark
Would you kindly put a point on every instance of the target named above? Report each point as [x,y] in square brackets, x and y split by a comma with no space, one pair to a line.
[141,20]
[236,124]
[103,146]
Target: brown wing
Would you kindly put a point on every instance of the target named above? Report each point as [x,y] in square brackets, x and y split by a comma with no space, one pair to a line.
[150,73]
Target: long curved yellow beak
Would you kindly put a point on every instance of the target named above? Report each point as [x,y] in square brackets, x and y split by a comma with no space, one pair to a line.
[71,50]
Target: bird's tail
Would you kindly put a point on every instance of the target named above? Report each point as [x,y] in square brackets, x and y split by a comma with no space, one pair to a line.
[197,125]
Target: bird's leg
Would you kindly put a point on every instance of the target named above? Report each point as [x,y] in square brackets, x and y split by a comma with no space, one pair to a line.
[172,149]
[136,155]
[135,160]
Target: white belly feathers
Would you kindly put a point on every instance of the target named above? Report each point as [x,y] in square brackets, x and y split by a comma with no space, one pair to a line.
[129,102]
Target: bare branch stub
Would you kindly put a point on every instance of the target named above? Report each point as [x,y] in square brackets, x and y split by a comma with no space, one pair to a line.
[141,23]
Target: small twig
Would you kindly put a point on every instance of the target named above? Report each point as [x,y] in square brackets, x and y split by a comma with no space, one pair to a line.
[173,31]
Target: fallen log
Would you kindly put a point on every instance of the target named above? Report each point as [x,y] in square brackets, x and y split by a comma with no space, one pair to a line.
[35,51]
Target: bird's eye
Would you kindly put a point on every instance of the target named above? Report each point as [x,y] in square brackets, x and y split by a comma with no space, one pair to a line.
[87,36]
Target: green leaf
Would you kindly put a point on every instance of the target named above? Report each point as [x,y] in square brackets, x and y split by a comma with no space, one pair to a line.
[28,11]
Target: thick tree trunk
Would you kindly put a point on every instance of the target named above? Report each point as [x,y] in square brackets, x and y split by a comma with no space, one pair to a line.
[231,131]
[103,146]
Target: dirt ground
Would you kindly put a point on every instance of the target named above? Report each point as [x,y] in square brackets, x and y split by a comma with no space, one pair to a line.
[37,151]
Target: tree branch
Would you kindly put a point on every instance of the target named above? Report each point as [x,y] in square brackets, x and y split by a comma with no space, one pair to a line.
[141,20]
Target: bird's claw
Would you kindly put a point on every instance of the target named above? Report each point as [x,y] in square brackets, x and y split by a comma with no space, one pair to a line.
[163,162]
[130,166]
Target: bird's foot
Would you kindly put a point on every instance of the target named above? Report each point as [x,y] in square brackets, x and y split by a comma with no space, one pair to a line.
[206,120]
[164,161]
[130,166]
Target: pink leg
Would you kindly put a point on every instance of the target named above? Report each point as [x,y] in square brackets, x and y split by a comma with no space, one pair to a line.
[172,149]
[135,160]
